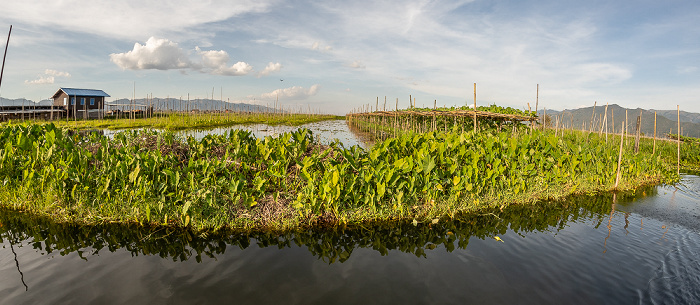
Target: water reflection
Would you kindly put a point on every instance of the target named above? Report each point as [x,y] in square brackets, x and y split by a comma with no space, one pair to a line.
[325,132]
[330,245]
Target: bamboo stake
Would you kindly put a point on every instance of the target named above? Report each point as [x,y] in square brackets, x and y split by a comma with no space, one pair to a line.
[592,116]
[636,138]
[531,122]
[537,98]
[654,149]
[2,70]
[619,161]
[474,107]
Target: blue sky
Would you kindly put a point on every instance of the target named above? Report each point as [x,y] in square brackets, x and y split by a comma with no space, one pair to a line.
[337,55]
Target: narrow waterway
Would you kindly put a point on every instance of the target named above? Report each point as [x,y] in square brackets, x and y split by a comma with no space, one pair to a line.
[587,250]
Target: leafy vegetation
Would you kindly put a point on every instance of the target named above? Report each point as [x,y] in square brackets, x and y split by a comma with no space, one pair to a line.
[239,182]
[180,121]
[491,108]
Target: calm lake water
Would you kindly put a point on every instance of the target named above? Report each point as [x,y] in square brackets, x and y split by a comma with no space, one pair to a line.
[325,131]
[643,248]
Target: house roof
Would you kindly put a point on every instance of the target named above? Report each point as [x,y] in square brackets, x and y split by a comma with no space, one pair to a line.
[81,92]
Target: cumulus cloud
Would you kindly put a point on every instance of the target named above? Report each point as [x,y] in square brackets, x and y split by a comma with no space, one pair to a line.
[163,54]
[49,77]
[294,93]
[217,62]
[160,54]
[271,67]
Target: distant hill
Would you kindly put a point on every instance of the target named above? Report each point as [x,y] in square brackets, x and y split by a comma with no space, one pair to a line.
[673,115]
[199,104]
[690,122]
[159,104]
[23,101]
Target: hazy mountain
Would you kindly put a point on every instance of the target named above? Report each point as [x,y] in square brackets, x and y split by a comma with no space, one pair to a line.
[23,101]
[673,115]
[183,105]
[582,117]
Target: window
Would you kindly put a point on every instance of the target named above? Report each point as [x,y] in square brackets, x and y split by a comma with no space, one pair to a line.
[82,101]
[72,101]
[92,101]
[65,101]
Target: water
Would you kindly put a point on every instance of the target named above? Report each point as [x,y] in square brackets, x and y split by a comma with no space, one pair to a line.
[587,250]
[325,131]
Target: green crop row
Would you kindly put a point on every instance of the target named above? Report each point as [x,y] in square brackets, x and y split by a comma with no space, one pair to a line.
[237,180]
[491,108]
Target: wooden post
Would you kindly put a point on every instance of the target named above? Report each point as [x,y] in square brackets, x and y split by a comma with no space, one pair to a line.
[537,98]
[474,107]
[653,151]
[2,70]
[544,118]
[590,128]
[619,160]
[626,126]
[636,138]
[531,122]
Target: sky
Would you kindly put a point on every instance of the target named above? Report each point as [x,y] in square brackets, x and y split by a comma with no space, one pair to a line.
[335,56]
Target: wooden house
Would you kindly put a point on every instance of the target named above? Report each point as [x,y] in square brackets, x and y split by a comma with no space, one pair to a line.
[80,103]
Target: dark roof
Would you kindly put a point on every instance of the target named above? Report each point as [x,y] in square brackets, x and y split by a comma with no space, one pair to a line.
[81,92]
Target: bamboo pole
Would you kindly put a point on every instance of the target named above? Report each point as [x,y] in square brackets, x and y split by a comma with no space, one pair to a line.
[2,70]
[531,122]
[653,151]
[474,107]
[637,133]
[537,98]
[619,161]
[590,128]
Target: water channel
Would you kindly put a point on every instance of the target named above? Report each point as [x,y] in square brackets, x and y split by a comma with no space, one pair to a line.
[610,249]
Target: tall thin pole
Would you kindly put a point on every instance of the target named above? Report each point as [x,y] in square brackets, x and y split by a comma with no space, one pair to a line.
[474,107]
[4,56]
[654,149]
[678,164]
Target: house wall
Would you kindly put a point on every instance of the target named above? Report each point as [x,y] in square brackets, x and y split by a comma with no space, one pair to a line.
[58,102]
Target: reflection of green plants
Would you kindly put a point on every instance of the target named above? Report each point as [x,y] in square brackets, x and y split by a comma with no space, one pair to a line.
[331,245]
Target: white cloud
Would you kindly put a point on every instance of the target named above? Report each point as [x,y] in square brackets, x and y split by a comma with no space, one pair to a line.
[42,80]
[160,54]
[271,67]
[315,45]
[56,73]
[239,68]
[163,54]
[217,62]
[49,77]
[294,93]
[128,19]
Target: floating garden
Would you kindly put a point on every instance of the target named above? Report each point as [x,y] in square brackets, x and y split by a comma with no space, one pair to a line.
[422,168]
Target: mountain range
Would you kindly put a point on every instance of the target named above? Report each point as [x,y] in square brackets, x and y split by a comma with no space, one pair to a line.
[666,120]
